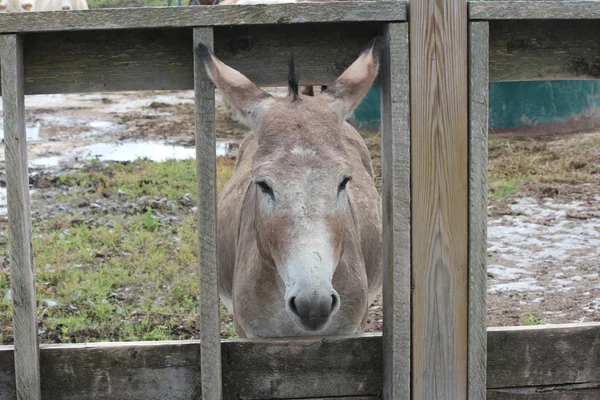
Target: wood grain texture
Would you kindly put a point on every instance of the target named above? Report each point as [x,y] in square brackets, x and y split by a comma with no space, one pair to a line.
[175,17]
[395,146]
[159,59]
[521,359]
[439,145]
[206,170]
[478,202]
[538,356]
[311,367]
[544,50]
[70,62]
[489,10]
[291,368]
[585,391]
[22,281]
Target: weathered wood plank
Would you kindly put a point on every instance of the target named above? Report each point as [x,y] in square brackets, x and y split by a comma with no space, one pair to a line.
[172,17]
[439,146]
[291,368]
[488,10]
[519,359]
[22,281]
[159,59]
[580,391]
[536,356]
[206,171]
[478,189]
[544,50]
[311,368]
[395,144]
[262,53]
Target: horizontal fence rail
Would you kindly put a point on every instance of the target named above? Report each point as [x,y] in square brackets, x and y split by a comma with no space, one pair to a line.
[169,17]
[493,10]
[161,59]
[521,361]
[544,50]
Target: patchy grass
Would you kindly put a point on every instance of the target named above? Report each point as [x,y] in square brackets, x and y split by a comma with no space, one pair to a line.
[503,188]
[121,271]
[519,162]
[171,179]
[516,163]
[531,320]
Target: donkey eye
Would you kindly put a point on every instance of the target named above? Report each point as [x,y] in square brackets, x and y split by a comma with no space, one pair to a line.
[266,189]
[344,182]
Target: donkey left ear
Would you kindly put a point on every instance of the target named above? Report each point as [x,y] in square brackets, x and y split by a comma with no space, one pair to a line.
[350,88]
[247,98]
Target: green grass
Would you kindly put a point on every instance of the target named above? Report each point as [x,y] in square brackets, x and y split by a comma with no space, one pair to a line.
[170,179]
[531,320]
[118,276]
[504,188]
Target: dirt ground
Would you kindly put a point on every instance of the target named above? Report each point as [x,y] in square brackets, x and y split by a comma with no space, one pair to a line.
[543,236]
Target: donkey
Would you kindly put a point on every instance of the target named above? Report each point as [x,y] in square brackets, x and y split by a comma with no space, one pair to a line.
[299,222]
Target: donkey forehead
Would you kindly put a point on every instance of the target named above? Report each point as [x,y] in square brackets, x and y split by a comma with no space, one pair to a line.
[300,162]
[306,129]
[309,115]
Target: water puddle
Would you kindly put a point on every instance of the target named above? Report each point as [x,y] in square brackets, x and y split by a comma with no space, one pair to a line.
[32,131]
[3,209]
[157,151]
[53,128]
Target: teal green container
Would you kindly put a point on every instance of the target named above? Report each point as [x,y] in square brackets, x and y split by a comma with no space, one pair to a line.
[544,107]
[520,107]
[366,115]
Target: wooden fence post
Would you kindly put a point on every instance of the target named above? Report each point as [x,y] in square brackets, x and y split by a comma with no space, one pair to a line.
[395,144]
[22,281]
[439,171]
[478,189]
[210,345]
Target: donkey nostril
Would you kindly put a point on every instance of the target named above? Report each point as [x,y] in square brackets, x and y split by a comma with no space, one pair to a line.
[334,302]
[292,305]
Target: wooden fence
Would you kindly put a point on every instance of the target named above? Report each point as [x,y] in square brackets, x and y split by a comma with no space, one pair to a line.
[434,133]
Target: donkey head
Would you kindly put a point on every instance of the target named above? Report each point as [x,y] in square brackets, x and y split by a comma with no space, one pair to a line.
[301,179]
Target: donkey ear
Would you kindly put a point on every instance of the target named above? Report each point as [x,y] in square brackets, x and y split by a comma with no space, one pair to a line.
[349,89]
[247,98]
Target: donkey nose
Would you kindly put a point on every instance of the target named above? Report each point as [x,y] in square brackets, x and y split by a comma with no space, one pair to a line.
[313,309]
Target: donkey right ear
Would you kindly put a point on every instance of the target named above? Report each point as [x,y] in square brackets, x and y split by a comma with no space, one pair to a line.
[237,90]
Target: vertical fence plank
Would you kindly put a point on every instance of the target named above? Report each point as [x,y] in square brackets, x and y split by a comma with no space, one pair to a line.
[207,222]
[19,220]
[478,169]
[439,169]
[395,143]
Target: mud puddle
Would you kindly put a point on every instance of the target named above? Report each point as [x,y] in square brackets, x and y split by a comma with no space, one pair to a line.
[65,131]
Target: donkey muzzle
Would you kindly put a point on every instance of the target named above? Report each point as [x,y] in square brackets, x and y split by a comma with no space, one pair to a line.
[314,309]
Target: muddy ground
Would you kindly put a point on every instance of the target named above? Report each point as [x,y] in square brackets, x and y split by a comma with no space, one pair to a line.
[544,235]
